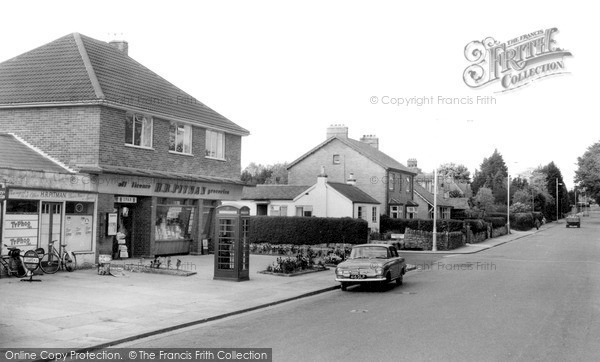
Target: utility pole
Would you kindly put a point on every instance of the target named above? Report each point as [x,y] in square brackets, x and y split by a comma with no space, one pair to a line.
[434,247]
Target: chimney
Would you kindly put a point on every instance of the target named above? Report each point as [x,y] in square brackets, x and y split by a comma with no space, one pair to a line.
[121,45]
[351,179]
[337,130]
[371,140]
[322,177]
[411,163]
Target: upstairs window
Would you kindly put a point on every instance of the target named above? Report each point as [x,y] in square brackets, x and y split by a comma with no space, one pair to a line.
[180,138]
[215,144]
[336,159]
[374,214]
[138,130]
[391,181]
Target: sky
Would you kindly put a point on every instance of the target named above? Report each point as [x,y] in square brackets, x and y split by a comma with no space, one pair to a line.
[287,70]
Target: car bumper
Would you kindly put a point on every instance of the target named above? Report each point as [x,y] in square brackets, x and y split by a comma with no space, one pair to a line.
[365,280]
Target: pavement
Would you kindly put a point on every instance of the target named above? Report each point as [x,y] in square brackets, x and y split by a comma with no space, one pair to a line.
[83,310]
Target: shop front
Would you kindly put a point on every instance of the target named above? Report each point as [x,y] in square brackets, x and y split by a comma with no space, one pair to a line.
[34,218]
[156,216]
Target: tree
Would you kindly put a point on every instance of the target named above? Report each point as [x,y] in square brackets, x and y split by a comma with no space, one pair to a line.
[485,199]
[588,172]
[553,175]
[493,173]
[523,196]
[259,174]
[518,207]
[459,173]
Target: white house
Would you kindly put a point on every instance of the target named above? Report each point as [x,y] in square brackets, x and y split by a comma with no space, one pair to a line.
[323,199]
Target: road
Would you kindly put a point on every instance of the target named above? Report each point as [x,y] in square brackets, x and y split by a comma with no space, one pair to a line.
[536,298]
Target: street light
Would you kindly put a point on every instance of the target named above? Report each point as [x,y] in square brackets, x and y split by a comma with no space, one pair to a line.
[508,203]
[434,246]
[557,183]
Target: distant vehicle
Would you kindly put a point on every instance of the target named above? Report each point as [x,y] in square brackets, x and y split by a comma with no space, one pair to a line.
[574,220]
[371,263]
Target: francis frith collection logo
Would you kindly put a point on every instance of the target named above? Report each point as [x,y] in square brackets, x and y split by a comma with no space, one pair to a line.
[516,62]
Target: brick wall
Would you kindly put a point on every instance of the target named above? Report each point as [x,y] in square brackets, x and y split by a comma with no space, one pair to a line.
[113,150]
[69,134]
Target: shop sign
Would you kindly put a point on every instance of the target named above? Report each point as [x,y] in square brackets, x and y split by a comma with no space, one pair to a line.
[50,195]
[126,199]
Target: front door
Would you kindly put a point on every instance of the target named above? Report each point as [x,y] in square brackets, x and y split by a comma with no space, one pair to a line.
[51,224]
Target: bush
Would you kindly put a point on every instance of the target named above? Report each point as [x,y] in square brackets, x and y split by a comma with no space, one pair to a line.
[518,207]
[307,230]
[522,221]
[477,225]
[496,221]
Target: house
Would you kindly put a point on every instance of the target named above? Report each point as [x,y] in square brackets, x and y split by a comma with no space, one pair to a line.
[426,204]
[322,199]
[159,160]
[380,176]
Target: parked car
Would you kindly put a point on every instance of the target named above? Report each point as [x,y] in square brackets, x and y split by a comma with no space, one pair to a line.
[371,263]
[574,220]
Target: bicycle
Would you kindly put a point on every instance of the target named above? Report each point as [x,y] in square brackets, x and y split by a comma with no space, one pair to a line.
[52,261]
[13,262]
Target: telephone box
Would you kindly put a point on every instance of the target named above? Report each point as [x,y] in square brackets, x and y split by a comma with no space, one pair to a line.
[232,250]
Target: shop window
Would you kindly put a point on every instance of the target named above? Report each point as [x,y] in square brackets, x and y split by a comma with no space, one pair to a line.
[79,220]
[174,219]
[138,130]
[21,224]
[215,144]
[180,138]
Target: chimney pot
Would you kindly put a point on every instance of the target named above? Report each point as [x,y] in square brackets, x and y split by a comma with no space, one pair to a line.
[122,45]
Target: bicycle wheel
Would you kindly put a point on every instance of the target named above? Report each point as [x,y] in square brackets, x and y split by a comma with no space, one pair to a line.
[50,263]
[70,262]
[17,268]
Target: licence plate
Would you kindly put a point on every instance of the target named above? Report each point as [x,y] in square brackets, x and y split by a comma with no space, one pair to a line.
[31,260]
[362,276]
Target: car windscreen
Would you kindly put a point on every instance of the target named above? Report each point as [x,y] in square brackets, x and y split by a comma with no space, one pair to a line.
[368,252]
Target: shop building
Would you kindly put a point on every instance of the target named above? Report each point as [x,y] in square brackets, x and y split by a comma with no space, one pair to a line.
[43,201]
[159,159]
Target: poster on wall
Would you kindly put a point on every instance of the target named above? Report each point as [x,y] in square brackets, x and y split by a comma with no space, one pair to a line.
[78,232]
[21,230]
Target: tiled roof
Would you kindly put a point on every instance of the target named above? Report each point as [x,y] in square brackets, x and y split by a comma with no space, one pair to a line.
[461,203]
[353,193]
[364,149]
[428,196]
[17,155]
[272,192]
[77,69]
[130,171]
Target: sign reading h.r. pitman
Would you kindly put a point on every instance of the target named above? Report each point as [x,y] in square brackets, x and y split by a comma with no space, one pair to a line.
[516,62]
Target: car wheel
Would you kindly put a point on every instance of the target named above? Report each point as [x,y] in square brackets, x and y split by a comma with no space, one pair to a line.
[344,287]
[399,279]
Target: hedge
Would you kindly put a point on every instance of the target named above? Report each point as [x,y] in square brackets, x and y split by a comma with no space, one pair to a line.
[477,225]
[307,230]
[388,224]
[496,221]
[522,221]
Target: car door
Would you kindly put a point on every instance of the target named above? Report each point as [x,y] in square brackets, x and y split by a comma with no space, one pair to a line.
[396,270]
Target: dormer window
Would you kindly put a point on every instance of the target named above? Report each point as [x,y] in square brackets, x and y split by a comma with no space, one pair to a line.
[138,130]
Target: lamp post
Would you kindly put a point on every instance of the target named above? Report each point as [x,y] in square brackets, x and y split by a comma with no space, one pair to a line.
[434,246]
[557,199]
[508,203]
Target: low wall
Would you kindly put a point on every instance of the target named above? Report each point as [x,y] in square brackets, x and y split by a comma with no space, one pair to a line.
[423,240]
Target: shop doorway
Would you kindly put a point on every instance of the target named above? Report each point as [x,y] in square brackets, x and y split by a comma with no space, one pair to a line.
[51,224]
[124,248]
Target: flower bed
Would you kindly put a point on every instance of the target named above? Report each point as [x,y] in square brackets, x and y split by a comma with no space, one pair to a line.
[326,254]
